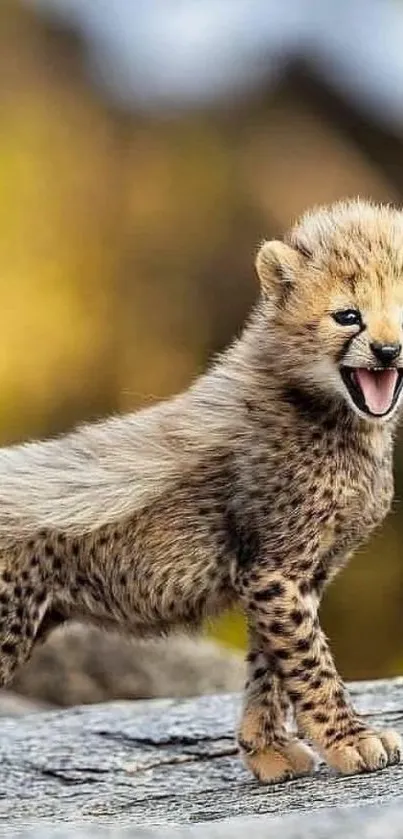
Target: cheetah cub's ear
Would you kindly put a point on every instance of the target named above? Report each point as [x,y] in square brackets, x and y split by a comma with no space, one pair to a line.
[277,266]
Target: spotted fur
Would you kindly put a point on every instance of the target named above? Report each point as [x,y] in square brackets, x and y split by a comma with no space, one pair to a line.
[253,487]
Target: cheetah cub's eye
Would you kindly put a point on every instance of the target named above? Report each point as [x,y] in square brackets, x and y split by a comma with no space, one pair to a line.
[347,317]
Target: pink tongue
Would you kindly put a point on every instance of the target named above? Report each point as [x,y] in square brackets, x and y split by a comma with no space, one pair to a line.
[378,387]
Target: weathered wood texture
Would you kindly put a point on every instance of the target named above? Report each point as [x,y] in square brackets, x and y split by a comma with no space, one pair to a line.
[173,762]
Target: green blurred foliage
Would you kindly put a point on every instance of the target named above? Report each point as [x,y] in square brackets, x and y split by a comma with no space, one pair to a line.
[126,262]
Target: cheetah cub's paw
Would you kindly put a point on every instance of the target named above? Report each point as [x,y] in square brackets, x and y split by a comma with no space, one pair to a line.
[365,751]
[280,762]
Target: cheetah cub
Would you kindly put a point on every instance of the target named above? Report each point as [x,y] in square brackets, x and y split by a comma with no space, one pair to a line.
[253,487]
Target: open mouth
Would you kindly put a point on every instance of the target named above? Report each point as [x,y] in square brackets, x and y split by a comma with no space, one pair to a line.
[373,390]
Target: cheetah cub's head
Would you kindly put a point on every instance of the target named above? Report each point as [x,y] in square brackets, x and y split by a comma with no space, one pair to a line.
[333,294]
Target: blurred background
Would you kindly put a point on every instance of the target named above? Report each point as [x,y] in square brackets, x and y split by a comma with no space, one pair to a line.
[145,150]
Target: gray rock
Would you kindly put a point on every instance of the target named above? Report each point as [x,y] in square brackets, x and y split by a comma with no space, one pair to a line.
[150,768]
[83,664]
[13,705]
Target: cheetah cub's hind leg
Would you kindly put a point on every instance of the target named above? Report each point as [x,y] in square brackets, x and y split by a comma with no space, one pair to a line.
[24,600]
[269,749]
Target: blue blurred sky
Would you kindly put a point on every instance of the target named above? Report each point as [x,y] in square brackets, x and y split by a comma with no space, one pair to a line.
[176,53]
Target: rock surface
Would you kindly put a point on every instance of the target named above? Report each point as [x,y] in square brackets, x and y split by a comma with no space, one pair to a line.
[367,822]
[166,763]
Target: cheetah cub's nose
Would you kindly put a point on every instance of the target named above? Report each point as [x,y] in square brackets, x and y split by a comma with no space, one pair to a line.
[386,353]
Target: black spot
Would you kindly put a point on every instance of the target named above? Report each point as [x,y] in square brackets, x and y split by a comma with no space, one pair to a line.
[330,732]
[259,672]
[48,549]
[8,648]
[272,663]
[301,675]
[203,509]
[320,717]
[356,728]
[245,746]
[340,698]
[306,564]
[242,539]
[309,662]
[342,714]
[251,657]
[329,423]
[123,580]
[303,645]
[40,597]
[327,674]
[7,577]
[277,628]
[319,578]
[283,654]
[294,695]
[297,617]
[311,408]
[304,587]
[275,589]
[307,706]
[17,591]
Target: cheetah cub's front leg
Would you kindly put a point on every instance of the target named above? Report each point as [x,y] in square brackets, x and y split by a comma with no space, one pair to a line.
[268,747]
[297,651]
